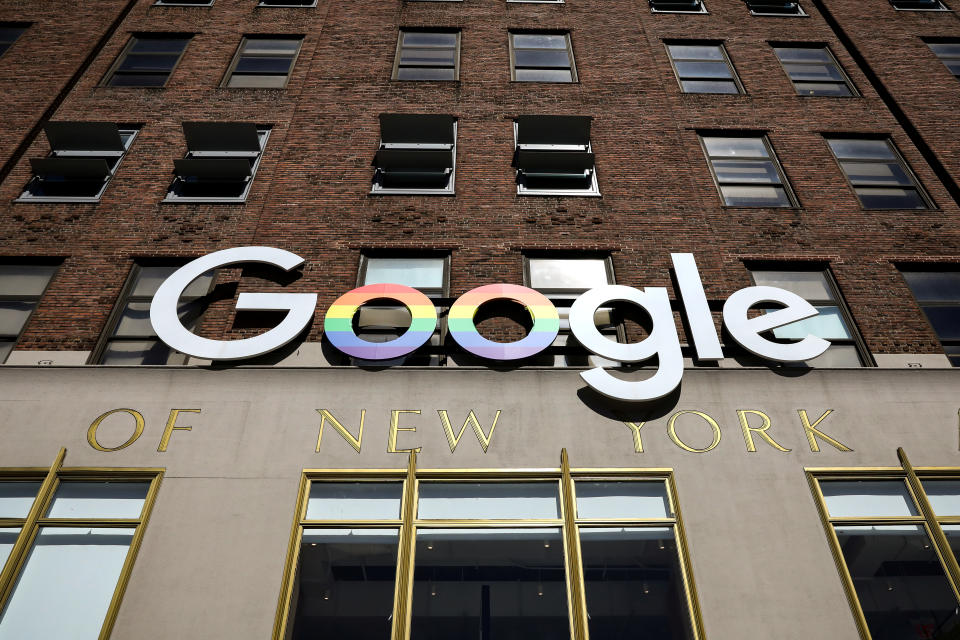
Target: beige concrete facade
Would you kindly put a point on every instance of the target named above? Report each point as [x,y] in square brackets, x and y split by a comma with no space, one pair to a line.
[213,556]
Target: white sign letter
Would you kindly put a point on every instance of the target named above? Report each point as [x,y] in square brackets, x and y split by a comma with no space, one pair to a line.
[696,307]
[166,322]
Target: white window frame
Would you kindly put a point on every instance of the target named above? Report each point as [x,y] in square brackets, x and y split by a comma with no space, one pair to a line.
[701,11]
[263,134]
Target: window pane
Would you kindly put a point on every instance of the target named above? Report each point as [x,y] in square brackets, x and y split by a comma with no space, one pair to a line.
[802,54]
[269,65]
[709,86]
[8,538]
[948,49]
[489,583]
[159,45]
[634,582]
[134,352]
[861,149]
[429,39]
[578,274]
[877,173]
[99,500]
[703,70]
[754,196]
[811,285]
[148,62]
[945,321]
[823,89]
[539,41]
[150,278]
[260,46]
[821,72]
[602,500]
[16,498]
[427,57]
[541,58]
[426,273]
[240,81]
[890,198]
[866,498]
[13,315]
[354,501]
[899,582]
[544,75]
[838,355]
[67,584]
[930,286]
[760,171]
[695,52]
[745,147]
[828,324]
[425,73]
[944,496]
[346,583]
[24,279]
[490,500]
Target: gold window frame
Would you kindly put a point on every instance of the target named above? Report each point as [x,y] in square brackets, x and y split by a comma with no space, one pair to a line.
[925,518]
[408,523]
[50,479]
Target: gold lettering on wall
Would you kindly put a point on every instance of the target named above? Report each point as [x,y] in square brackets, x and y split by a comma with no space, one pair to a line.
[672,431]
[172,426]
[813,433]
[137,431]
[761,431]
[395,427]
[353,442]
[454,440]
[635,429]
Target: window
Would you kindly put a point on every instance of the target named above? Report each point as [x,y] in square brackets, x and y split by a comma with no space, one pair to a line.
[938,294]
[263,62]
[814,71]
[184,3]
[703,68]
[417,154]
[9,33]
[893,533]
[918,5]
[83,157]
[130,338]
[878,174]
[554,156]
[287,3]
[541,57]
[221,161]
[21,287]
[427,55]
[949,53]
[563,280]
[746,172]
[384,322]
[148,60]
[833,323]
[73,539]
[677,6]
[774,8]
[488,555]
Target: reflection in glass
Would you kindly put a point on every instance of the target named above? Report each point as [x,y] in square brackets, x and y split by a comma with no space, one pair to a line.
[634,585]
[867,498]
[65,588]
[354,501]
[99,500]
[8,537]
[16,498]
[900,582]
[622,500]
[944,496]
[345,583]
[489,584]
[489,500]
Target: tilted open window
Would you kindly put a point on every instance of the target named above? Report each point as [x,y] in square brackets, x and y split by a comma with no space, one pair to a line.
[774,8]
[83,157]
[417,154]
[677,6]
[221,160]
[553,156]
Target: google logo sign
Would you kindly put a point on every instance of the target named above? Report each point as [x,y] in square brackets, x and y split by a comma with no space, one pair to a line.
[662,342]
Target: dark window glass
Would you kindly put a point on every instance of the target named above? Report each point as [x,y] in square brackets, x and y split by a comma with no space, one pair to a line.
[427,55]
[949,54]
[878,174]
[938,293]
[21,286]
[9,33]
[542,57]
[263,63]
[814,71]
[918,5]
[677,6]
[703,68]
[746,172]
[774,8]
[147,61]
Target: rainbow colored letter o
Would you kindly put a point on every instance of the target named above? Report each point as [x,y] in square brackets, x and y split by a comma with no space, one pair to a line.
[546,322]
[338,323]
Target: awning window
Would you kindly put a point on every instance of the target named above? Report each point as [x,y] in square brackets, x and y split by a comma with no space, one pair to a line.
[84,137]
[412,129]
[417,154]
[221,160]
[554,157]
[553,130]
[70,168]
[221,137]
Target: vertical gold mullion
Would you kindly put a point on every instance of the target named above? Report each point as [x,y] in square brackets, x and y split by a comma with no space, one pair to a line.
[403,589]
[128,561]
[575,587]
[686,569]
[22,545]
[939,537]
[293,556]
